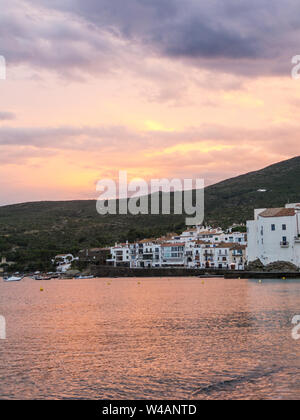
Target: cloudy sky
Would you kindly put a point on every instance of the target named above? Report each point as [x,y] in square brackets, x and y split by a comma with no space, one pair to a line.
[160,88]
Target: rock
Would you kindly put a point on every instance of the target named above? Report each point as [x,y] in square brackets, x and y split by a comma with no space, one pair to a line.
[277,266]
[281,266]
[256,265]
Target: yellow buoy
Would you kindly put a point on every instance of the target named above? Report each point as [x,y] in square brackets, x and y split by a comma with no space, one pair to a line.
[41,289]
[203,282]
[139,282]
[260,281]
[283,278]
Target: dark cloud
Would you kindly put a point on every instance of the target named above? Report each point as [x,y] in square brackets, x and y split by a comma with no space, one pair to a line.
[253,38]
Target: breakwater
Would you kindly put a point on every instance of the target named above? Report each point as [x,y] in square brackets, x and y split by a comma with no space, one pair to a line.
[109,271]
[262,275]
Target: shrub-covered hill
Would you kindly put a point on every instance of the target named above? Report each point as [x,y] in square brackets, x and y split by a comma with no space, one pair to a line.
[32,233]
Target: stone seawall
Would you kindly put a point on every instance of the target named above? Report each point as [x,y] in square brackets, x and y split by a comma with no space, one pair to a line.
[108,271]
[262,275]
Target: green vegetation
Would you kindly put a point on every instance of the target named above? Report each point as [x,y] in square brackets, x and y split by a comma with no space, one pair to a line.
[32,233]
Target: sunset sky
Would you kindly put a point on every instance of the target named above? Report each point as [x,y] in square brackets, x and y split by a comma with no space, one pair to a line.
[160,88]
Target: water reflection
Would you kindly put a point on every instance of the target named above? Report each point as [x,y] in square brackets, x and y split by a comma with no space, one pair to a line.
[163,338]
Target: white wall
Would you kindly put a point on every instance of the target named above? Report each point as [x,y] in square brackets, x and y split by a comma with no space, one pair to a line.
[265,243]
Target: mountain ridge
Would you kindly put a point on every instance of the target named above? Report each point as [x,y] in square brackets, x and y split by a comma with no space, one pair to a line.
[32,233]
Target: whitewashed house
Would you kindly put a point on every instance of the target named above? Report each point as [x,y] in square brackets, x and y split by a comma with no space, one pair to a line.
[63,262]
[224,256]
[121,255]
[173,254]
[199,247]
[274,235]
[147,254]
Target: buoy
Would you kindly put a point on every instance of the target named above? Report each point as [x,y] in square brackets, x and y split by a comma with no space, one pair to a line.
[41,289]
[139,282]
[203,282]
[260,281]
[283,278]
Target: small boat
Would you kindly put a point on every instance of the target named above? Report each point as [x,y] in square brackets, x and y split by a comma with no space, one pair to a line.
[40,278]
[85,277]
[12,278]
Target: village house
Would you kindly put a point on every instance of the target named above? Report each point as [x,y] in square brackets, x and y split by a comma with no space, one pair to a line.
[216,249]
[211,235]
[274,235]
[148,253]
[173,254]
[121,255]
[63,262]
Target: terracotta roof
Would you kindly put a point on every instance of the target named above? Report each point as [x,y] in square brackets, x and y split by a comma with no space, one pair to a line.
[278,212]
[147,241]
[170,244]
[210,232]
[223,245]
[238,247]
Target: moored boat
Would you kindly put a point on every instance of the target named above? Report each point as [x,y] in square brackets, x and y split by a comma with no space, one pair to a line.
[41,278]
[12,278]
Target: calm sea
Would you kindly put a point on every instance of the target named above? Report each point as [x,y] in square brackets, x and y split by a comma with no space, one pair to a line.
[160,339]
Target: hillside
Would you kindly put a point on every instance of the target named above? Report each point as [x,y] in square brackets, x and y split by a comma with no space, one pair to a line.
[32,233]
[234,199]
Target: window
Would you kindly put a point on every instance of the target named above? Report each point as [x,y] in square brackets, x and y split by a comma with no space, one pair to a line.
[283,227]
[273,227]
[284,239]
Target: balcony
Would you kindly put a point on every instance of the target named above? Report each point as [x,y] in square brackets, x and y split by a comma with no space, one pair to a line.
[284,244]
[148,257]
[297,239]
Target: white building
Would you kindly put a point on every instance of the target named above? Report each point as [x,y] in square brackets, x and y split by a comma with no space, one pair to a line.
[121,255]
[274,235]
[213,236]
[173,254]
[63,262]
[146,253]
[200,247]
[224,256]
